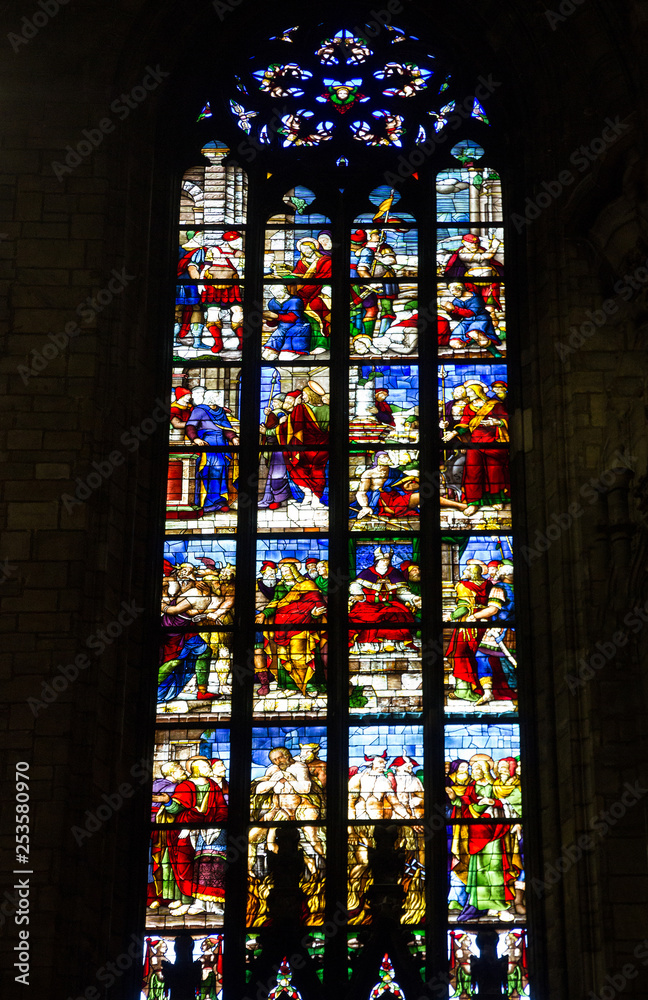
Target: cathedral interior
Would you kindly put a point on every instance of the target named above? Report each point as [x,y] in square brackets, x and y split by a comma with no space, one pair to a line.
[88,187]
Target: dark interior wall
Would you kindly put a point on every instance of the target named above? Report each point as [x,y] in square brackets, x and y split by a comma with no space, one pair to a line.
[97,231]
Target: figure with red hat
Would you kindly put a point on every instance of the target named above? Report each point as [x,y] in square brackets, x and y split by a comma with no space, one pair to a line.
[364,299]
[472,260]
[298,608]
[372,792]
[409,787]
[379,595]
[189,311]
[306,469]
[223,297]
[181,408]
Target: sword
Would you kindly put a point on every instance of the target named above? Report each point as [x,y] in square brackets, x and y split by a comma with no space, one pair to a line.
[507,654]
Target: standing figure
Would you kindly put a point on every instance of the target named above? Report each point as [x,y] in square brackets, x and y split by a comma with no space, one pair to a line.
[208,426]
[220,297]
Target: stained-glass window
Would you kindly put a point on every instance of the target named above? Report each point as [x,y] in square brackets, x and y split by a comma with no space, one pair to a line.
[337,768]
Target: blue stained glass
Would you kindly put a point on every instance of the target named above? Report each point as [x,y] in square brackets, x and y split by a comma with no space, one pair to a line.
[389,741]
[491,738]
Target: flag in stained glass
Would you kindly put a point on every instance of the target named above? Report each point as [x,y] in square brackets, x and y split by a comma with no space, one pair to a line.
[410,843]
[480,671]
[187,877]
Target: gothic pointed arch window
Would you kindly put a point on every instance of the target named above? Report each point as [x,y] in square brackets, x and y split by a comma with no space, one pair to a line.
[337,802]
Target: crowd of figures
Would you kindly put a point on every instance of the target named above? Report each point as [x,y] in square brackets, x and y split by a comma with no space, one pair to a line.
[485,840]
[187,866]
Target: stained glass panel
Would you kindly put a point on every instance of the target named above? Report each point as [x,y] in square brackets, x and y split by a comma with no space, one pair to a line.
[293,491]
[385,772]
[471,193]
[202,493]
[385,675]
[187,878]
[199,579]
[296,321]
[383,404]
[493,755]
[480,671]
[511,946]
[190,776]
[384,490]
[471,320]
[385,587]
[288,773]
[195,674]
[207,950]
[384,319]
[478,579]
[464,254]
[263,843]
[409,841]
[486,871]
